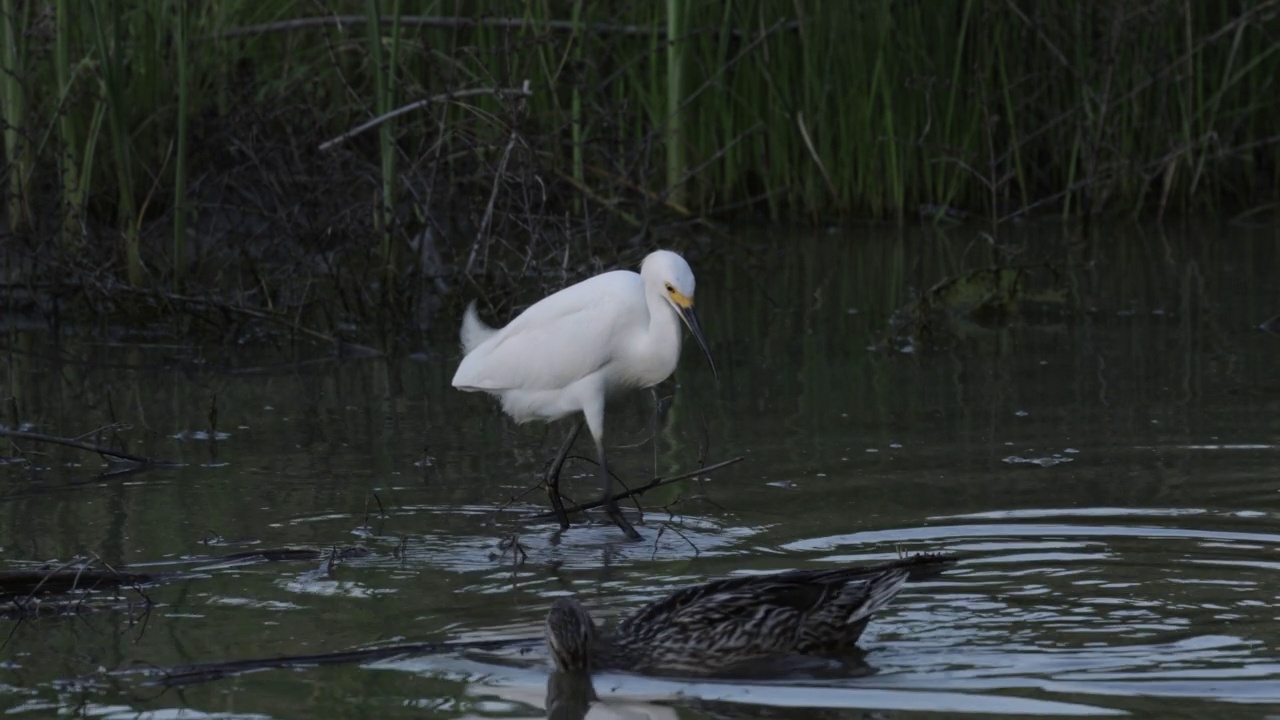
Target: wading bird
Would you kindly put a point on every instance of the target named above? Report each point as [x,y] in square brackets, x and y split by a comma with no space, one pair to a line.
[737,624]
[570,351]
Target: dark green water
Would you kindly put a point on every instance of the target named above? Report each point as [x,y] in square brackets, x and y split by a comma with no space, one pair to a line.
[1109,469]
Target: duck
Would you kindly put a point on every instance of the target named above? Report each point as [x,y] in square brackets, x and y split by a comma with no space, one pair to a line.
[724,626]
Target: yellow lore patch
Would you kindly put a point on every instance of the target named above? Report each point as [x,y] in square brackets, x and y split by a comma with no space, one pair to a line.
[682,301]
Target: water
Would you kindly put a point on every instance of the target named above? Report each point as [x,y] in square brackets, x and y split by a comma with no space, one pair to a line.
[1108,473]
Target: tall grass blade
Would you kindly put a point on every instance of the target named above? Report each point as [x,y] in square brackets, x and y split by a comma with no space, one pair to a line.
[675,99]
[384,62]
[577,134]
[180,166]
[69,163]
[14,112]
[111,63]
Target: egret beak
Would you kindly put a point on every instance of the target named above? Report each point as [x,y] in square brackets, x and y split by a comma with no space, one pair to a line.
[691,319]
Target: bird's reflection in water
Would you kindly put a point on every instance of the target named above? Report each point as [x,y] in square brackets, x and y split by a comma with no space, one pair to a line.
[569,695]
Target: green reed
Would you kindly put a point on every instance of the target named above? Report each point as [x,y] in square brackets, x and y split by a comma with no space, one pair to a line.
[16,153]
[383,63]
[675,153]
[790,109]
[70,161]
[578,136]
[180,168]
[109,34]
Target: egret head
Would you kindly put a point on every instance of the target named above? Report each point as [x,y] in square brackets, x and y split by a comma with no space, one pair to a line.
[570,635]
[670,275]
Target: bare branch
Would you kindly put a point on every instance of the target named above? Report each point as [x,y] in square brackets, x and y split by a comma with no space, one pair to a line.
[522,91]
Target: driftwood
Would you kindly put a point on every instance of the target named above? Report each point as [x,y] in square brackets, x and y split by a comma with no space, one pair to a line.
[289,553]
[63,580]
[69,589]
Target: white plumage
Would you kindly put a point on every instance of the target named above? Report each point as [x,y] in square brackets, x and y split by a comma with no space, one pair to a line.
[573,349]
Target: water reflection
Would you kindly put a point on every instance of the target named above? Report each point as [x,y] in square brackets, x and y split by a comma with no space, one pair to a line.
[569,695]
[574,696]
[1138,577]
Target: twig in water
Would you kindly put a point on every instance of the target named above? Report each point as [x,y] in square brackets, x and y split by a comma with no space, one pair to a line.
[655,483]
[512,543]
[669,525]
[347,349]
[189,674]
[68,442]
[699,496]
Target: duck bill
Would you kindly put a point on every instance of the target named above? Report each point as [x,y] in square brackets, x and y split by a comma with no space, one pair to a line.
[691,319]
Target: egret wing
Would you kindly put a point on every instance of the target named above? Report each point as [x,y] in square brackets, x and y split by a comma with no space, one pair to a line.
[558,340]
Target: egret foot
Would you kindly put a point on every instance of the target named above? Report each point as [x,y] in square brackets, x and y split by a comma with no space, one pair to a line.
[615,514]
[611,505]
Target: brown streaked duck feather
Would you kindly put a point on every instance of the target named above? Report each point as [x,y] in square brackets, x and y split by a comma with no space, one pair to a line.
[723,624]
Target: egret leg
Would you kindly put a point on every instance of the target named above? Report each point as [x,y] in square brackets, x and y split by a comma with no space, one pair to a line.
[593,412]
[551,480]
[611,505]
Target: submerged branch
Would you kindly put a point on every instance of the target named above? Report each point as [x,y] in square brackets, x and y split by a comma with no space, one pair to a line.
[67,578]
[344,347]
[654,483]
[68,442]
[70,589]
[205,672]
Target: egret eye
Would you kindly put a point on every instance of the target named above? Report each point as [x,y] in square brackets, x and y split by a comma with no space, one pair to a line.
[670,288]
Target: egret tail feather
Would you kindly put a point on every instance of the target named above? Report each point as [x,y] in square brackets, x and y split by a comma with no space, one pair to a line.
[474,331]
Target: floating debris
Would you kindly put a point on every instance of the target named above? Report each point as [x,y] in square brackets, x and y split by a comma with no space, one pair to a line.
[973,303]
[1049,461]
[200,435]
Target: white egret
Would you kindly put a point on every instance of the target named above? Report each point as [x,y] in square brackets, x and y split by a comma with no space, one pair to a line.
[570,351]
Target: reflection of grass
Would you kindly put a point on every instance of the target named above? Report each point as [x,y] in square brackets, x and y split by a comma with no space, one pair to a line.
[996,292]
[796,327]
